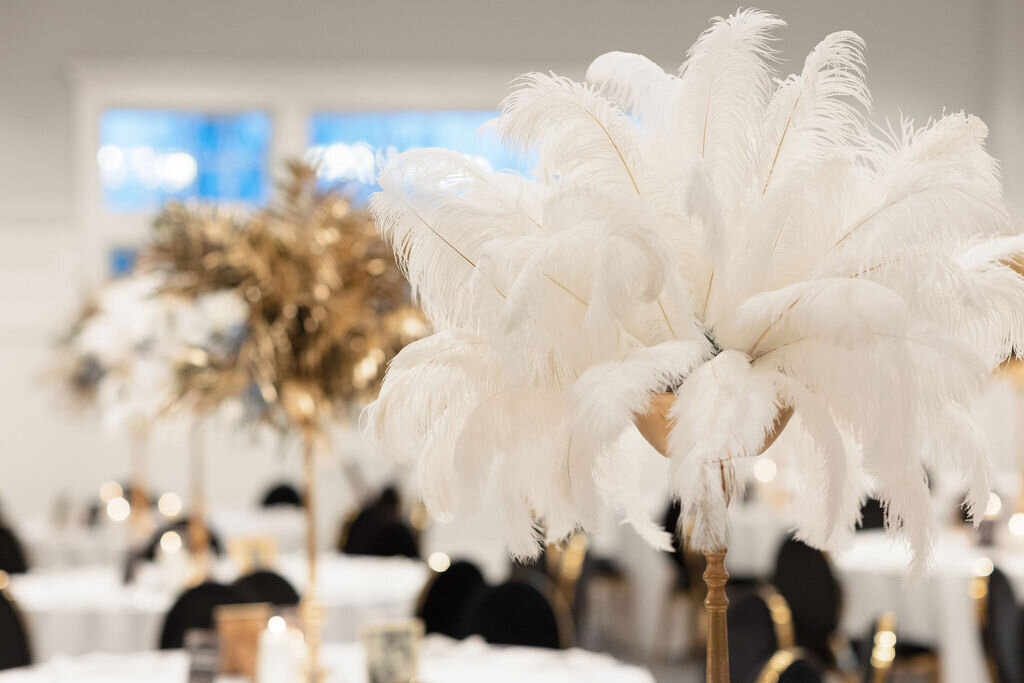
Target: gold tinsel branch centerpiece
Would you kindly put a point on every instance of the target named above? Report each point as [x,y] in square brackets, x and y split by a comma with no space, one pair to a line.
[326,306]
[298,308]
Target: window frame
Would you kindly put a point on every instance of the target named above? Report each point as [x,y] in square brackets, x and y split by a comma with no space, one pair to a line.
[290,93]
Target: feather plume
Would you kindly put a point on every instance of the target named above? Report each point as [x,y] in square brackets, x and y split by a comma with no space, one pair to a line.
[743,249]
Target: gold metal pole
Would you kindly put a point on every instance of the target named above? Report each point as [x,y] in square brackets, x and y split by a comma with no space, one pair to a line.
[655,425]
[310,609]
[142,521]
[715,604]
[198,536]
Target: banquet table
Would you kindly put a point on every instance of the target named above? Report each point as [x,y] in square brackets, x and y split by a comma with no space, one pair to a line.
[441,660]
[936,611]
[85,609]
[49,545]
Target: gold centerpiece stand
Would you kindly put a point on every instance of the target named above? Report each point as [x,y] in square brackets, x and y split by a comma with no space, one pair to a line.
[655,426]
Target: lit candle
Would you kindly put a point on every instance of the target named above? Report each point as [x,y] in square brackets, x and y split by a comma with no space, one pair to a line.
[282,652]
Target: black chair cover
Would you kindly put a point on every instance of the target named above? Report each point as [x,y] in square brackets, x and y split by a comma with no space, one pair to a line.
[750,623]
[379,530]
[670,521]
[267,586]
[804,578]
[194,609]
[1002,633]
[515,613]
[803,670]
[282,494]
[14,647]
[12,556]
[443,605]
[872,516]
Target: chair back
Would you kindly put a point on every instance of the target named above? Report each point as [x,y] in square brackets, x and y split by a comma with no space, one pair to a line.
[670,520]
[790,666]
[1001,631]
[179,527]
[379,530]
[12,556]
[282,494]
[877,652]
[14,647]
[804,578]
[267,586]
[357,530]
[872,515]
[393,539]
[520,612]
[750,623]
[194,610]
[444,601]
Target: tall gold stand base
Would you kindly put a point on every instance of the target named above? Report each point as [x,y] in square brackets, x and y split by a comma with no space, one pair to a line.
[310,611]
[715,605]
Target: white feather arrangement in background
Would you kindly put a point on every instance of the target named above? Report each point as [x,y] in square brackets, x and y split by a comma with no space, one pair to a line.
[740,240]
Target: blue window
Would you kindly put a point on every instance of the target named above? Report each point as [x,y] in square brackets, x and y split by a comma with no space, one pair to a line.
[121,260]
[349,146]
[149,156]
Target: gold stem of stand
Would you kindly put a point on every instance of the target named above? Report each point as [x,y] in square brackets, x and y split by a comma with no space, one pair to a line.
[715,604]
[198,537]
[140,514]
[311,611]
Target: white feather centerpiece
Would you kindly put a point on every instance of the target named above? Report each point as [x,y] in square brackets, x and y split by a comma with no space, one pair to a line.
[739,242]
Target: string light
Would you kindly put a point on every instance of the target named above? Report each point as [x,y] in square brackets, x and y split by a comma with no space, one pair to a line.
[110,490]
[170,542]
[118,509]
[765,470]
[169,504]
[439,562]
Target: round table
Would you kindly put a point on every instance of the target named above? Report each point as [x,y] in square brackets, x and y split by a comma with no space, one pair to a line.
[937,611]
[442,660]
[49,545]
[86,609]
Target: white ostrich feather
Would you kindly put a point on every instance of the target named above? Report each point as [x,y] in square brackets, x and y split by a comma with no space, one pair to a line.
[743,241]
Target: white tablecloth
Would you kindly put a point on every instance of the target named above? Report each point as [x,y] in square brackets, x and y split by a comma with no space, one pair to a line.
[48,545]
[755,534]
[442,660]
[86,609]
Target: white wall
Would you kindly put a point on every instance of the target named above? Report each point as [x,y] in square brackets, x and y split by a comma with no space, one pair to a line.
[924,55]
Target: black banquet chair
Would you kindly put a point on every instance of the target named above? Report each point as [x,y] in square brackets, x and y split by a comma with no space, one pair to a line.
[379,530]
[194,610]
[789,666]
[884,659]
[750,622]
[282,494]
[444,601]
[14,646]
[804,578]
[872,515]
[392,539]
[521,612]
[12,555]
[1001,631]
[267,586]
